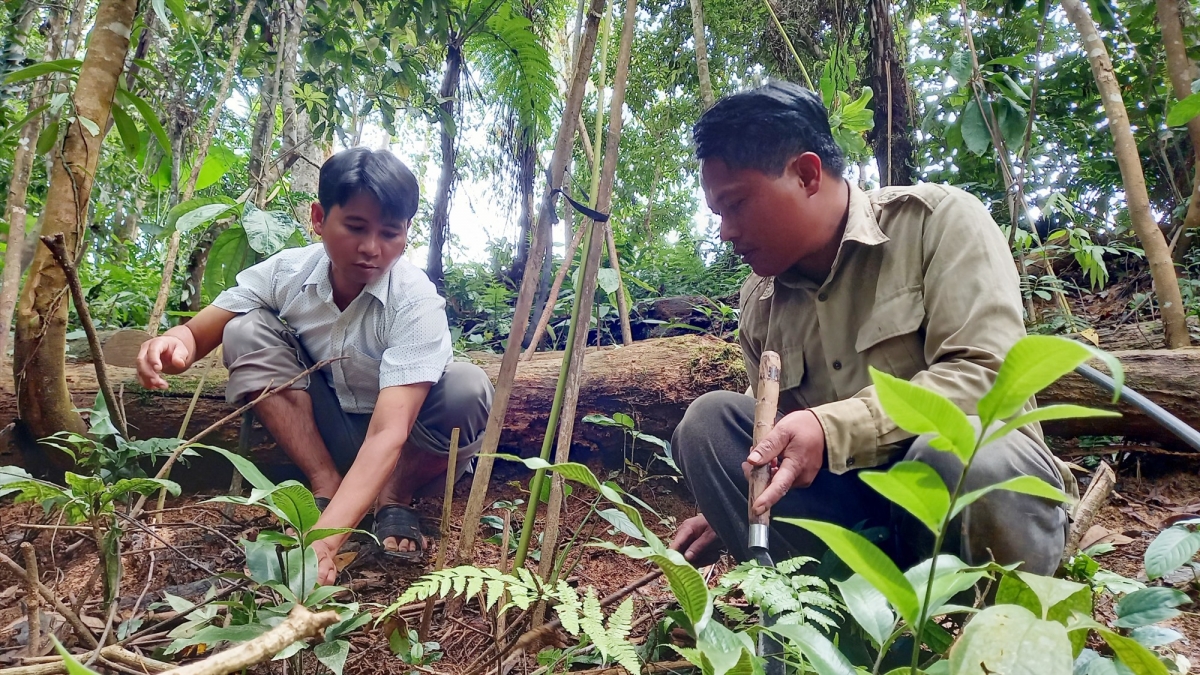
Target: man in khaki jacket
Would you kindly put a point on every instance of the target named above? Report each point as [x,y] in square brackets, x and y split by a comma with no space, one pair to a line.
[915,281]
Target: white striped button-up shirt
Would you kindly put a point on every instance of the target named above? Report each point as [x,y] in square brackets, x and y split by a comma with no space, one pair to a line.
[394,333]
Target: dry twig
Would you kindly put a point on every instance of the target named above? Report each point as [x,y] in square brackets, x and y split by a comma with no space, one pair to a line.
[300,624]
[1103,482]
[71,617]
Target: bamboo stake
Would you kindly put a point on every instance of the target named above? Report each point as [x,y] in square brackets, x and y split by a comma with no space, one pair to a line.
[447,503]
[33,603]
[622,305]
[58,250]
[574,373]
[548,310]
[508,365]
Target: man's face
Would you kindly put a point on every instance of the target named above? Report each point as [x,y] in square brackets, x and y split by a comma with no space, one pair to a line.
[769,220]
[361,242]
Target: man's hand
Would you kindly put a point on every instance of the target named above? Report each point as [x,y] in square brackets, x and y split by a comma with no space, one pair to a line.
[166,353]
[326,565]
[697,541]
[798,442]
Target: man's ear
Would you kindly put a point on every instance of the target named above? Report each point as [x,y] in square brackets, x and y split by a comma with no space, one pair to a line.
[807,168]
[317,213]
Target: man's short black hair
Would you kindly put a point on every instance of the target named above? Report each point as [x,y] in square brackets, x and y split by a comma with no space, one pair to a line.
[763,128]
[378,173]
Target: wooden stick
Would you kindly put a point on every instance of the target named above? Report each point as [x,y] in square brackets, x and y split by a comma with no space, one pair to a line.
[622,306]
[119,654]
[71,617]
[1103,482]
[447,512]
[58,250]
[267,393]
[548,309]
[764,420]
[33,603]
[660,667]
[300,624]
[508,365]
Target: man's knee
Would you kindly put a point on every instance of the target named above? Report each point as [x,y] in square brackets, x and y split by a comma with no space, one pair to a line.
[1010,457]
[706,427]
[463,399]
[250,332]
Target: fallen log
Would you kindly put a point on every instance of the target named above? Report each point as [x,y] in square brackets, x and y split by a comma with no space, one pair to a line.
[652,380]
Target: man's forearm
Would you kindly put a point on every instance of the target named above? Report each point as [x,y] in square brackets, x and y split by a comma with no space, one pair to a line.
[371,470]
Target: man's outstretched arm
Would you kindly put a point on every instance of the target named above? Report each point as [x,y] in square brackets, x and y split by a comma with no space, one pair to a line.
[176,350]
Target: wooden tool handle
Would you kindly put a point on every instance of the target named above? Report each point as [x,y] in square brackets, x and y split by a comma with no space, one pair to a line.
[764,421]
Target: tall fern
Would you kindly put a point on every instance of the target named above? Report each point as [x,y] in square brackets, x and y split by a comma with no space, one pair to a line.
[793,598]
[516,68]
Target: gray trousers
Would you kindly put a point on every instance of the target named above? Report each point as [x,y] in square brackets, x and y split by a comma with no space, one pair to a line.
[715,435]
[259,349]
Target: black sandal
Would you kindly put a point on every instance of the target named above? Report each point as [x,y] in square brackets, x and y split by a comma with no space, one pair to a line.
[399,522]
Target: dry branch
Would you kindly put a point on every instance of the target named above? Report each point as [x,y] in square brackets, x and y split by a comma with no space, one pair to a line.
[71,617]
[33,605]
[58,249]
[300,624]
[1103,482]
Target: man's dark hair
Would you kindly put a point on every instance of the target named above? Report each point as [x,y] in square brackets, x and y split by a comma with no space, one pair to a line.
[378,173]
[763,128]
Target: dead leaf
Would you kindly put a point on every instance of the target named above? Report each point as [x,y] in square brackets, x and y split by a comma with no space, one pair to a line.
[10,592]
[342,559]
[1090,335]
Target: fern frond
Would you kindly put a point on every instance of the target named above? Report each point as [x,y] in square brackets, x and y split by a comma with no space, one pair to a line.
[790,565]
[614,645]
[568,607]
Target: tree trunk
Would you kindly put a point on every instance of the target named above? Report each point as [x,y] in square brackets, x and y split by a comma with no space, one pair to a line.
[526,175]
[39,361]
[1162,269]
[706,89]
[439,228]
[892,137]
[1182,72]
[18,187]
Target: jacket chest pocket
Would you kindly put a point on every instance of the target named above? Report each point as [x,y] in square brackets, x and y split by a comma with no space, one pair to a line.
[892,339]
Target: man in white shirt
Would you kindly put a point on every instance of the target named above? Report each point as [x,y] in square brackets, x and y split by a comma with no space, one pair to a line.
[383,413]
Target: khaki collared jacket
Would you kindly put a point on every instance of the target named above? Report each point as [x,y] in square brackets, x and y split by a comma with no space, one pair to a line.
[923,287]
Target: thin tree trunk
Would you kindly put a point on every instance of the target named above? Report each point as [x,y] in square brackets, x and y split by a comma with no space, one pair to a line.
[164,287]
[892,139]
[706,89]
[18,186]
[1162,270]
[39,364]
[1182,72]
[439,228]
[526,174]
[508,365]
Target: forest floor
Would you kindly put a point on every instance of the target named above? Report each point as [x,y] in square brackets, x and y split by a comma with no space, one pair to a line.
[1153,491]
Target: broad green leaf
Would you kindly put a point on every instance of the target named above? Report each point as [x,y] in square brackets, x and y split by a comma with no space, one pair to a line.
[1028,485]
[1181,113]
[608,280]
[974,129]
[348,624]
[1148,606]
[820,652]
[866,559]
[10,475]
[1036,593]
[290,650]
[961,66]
[724,649]
[1033,363]
[686,581]
[216,164]
[16,127]
[1079,602]
[919,411]
[300,568]
[621,522]
[624,420]
[1137,658]
[322,594]
[1155,636]
[230,254]
[150,118]
[267,231]
[246,468]
[214,635]
[1009,639]
[1012,119]
[333,655]
[47,137]
[262,560]
[195,212]
[131,139]
[91,126]
[298,505]
[69,66]
[868,607]
[951,577]
[1050,412]
[916,487]
[1172,548]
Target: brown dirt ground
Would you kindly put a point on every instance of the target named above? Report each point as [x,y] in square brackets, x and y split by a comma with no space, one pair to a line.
[1152,489]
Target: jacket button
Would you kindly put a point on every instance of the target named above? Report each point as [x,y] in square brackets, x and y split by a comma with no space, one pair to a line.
[822,296]
[837,365]
[849,461]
